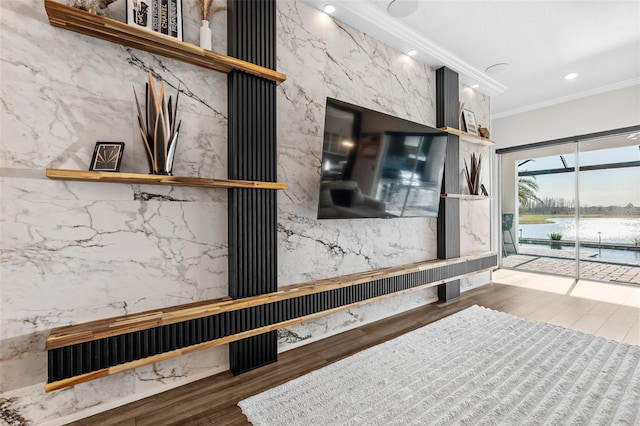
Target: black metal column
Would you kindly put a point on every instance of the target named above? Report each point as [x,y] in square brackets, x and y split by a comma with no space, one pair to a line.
[252,156]
[447,98]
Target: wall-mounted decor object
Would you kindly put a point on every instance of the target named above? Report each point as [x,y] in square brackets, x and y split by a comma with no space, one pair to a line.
[473,175]
[158,127]
[483,131]
[207,9]
[161,16]
[460,109]
[469,119]
[107,157]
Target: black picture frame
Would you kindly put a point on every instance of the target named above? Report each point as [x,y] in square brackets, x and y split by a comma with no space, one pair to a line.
[107,157]
[470,125]
[160,16]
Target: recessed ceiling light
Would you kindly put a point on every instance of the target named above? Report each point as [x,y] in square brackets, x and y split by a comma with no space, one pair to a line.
[329,9]
[475,86]
[497,68]
[411,53]
[402,8]
[571,76]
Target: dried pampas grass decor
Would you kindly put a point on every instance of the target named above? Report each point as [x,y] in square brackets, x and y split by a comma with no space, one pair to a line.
[207,8]
[158,127]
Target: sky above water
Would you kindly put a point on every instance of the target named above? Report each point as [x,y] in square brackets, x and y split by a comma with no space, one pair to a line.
[612,187]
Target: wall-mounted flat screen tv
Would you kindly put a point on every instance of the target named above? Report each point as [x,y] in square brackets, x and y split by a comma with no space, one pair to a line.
[375,165]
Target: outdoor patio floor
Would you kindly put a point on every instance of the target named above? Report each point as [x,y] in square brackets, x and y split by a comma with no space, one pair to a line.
[563,263]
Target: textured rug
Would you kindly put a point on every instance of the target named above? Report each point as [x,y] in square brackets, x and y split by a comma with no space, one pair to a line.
[476,367]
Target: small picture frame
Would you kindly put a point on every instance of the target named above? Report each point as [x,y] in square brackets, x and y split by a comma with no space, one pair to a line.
[160,16]
[469,119]
[107,157]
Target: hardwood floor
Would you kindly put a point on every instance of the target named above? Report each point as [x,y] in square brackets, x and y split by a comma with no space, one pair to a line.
[213,401]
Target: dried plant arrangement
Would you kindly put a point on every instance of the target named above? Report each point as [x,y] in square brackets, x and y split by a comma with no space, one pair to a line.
[158,127]
[473,175]
[92,6]
[208,8]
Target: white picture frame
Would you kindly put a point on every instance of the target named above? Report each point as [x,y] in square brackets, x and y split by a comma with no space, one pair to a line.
[160,16]
[470,125]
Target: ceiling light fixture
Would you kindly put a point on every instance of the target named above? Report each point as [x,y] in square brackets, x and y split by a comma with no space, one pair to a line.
[402,8]
[411,53]
[475,86]
[634,136]
[497,68]
[571,76]
[329,9]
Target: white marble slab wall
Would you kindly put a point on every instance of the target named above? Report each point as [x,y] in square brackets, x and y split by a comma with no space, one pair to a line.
[73,252]
[325,58]
[475,215]
[78,251]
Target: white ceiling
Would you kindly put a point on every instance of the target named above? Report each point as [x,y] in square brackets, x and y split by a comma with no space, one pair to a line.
[542,40]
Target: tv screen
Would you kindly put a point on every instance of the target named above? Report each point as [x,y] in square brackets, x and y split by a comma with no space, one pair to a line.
[378,166]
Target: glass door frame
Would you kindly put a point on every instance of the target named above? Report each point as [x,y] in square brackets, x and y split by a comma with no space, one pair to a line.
[498,234]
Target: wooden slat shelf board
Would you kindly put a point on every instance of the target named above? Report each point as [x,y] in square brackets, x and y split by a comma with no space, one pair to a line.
[72,381]
[85,332]
[468,136]
[117,177]
[466,196]
[73,19]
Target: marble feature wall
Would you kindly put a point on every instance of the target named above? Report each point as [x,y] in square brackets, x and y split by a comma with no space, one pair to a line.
[475,215]
[79,251]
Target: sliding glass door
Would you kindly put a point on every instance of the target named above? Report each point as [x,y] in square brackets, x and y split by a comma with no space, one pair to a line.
[575,209]
[543,207]
[609,195]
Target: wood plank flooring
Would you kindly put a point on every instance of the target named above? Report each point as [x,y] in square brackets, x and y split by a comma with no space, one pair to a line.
[213,401]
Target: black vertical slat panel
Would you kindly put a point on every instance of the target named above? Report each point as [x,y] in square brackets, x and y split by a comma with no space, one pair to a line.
[95,355]
[448,241]
[252,151]
[88,357]
[56,359]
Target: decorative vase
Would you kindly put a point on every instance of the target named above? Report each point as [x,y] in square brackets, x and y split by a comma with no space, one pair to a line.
[205,35]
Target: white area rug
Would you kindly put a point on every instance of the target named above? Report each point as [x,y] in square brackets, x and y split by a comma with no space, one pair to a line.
[477,367]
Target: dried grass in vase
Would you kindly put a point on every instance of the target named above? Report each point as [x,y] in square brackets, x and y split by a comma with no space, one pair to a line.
[207,8]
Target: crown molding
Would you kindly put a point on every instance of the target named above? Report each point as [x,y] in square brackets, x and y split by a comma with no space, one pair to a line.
[375,22]
[568,98]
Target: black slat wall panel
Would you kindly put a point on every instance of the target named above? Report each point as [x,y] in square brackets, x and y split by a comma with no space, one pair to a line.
[73,360]
[251,26]
[448,241]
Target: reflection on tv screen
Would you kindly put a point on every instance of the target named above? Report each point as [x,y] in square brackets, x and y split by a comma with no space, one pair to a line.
[378,166]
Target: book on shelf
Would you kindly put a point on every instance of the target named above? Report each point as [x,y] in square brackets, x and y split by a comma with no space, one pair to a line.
[161,16]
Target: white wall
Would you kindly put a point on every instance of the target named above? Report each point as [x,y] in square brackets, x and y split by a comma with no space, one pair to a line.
[605,111]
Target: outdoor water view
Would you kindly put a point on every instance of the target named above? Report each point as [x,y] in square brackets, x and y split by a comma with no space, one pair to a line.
[607,229]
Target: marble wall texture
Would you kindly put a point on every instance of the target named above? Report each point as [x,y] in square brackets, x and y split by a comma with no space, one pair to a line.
[79,251]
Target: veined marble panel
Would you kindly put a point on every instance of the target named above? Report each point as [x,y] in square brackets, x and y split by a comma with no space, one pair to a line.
[76,251]
[477,102]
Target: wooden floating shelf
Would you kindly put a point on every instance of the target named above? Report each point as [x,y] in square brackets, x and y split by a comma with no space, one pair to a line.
[466,196]
[63,337]
[117,177]
[93,330]
[468,136]
[73,19]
